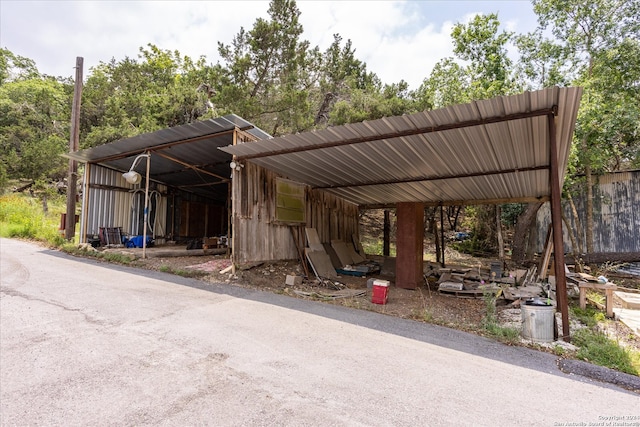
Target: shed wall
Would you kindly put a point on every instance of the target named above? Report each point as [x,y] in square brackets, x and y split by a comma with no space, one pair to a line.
[110,201]
[257,236]
[616,203]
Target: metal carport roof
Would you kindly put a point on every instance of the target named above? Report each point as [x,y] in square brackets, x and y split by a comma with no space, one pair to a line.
[184,157]
[489,151]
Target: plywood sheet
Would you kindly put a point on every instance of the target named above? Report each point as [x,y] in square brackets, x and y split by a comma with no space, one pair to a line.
[355,256]
[343,253]
[313,240]
[321,264]
[333,256]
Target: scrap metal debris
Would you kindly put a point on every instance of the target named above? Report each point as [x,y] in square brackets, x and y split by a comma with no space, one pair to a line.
[345,293]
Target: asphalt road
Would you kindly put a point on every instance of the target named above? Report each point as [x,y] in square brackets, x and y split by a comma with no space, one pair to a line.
[87,343]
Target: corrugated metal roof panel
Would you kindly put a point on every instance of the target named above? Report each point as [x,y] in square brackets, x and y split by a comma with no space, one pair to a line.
[185,156]
[399,159]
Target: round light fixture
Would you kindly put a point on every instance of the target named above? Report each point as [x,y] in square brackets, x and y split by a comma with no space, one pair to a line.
[132,177]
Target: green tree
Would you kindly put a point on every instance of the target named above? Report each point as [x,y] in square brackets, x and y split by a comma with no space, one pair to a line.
[34,121]
[541,63]
[129,97]
[484,46]
[593,35]
[268,72]
[448,84]
[15,67]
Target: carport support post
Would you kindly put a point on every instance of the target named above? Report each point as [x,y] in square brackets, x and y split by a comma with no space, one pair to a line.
[556,222]
[410,245]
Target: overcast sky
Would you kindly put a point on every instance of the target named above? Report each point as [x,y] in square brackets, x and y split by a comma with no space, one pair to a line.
[397,39]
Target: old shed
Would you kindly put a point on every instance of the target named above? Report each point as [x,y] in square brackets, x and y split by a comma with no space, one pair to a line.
[505,149]
[189,181]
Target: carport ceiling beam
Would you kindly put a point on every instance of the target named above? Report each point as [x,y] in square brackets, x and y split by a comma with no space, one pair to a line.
[154,149]
[435,178]
[532,199]
[416,131]
[187,165]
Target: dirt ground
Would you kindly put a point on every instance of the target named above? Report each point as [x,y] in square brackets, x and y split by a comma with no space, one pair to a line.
[423,304]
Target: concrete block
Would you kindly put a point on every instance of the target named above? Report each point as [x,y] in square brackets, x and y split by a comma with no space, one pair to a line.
[293,280]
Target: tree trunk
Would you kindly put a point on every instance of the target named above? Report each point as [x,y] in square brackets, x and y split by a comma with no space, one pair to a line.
[572,236]
[602,257]
[532,242]
[589,213]
[523,223]
[578,222]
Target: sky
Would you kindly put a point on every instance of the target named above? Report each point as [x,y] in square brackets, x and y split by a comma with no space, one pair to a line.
[398,40]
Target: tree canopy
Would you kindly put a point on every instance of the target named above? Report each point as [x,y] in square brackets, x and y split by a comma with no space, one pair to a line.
[274,78]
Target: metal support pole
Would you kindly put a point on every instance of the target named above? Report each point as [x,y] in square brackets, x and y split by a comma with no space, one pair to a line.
[556,222]
[146,210]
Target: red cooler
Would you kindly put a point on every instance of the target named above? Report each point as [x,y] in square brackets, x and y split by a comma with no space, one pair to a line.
[380,292]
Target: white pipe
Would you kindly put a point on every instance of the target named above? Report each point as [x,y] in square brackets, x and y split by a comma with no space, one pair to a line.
[146,209]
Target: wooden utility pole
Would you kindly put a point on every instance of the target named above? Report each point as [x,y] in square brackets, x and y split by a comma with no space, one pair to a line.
[74,142]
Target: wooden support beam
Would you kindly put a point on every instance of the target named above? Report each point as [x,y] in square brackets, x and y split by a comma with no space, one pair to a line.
[410,245]
[70,225]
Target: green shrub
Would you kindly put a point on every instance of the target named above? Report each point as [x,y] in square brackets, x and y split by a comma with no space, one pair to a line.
[597,348]
[23,217]
[491,325]
[589,316]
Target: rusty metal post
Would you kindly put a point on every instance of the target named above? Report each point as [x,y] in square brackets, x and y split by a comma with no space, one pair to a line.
[556,223]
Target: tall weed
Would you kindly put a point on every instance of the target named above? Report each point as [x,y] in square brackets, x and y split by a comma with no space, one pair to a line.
[23,217]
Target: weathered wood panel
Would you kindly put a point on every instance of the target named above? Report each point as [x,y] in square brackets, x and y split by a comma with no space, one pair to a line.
[616,211]
[257,236]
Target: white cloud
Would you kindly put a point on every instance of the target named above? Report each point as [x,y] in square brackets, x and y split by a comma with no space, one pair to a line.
[397,39]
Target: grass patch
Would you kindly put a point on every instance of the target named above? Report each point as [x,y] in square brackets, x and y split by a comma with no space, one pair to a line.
[23,217]
[502,333]
[112,257]
[597,348]
[589,316]
[490,323]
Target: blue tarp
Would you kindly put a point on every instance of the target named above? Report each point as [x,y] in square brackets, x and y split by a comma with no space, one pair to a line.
[136,241]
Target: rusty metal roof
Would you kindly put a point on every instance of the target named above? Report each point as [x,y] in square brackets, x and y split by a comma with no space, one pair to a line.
[185,156]
[489,151]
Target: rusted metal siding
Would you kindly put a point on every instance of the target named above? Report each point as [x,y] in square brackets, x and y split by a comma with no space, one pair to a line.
[256,234]
[110,201]
[616,211]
